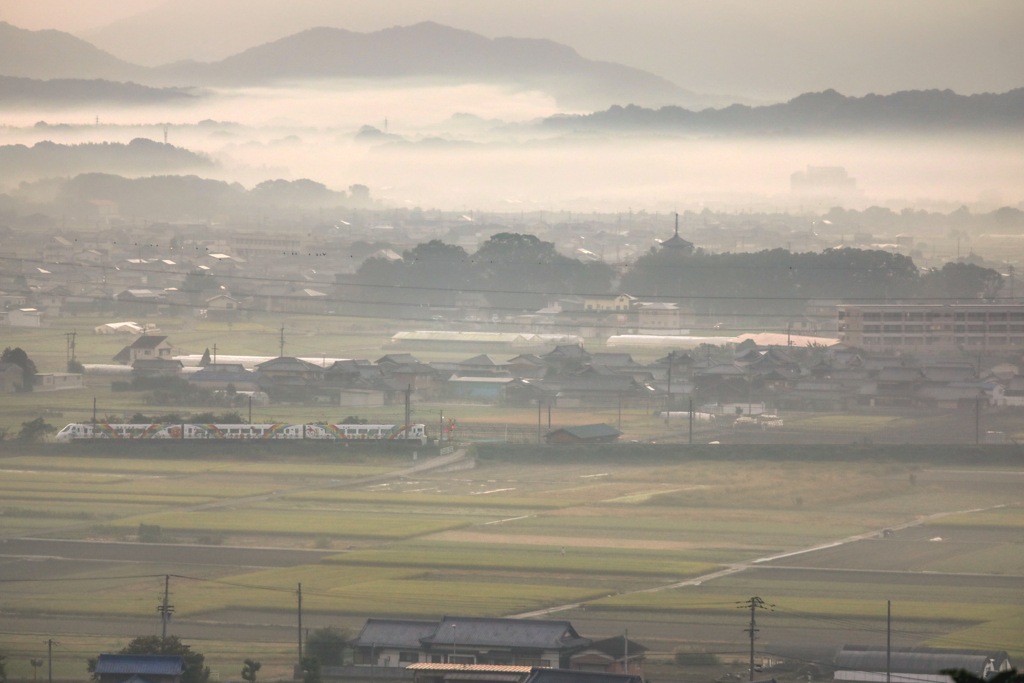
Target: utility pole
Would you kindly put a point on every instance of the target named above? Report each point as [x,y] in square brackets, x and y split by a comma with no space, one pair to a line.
[440,428]
[625,638]
[215,354]
[888,641]
[668,394]
[49,661]
[620,411]
[165,609]
[70,350]
[753,604]
[977,420]
[300,627]
[94,413]
[250,408]
[282,341]
[691,420]
[408,408]
[540,406]
[549,417]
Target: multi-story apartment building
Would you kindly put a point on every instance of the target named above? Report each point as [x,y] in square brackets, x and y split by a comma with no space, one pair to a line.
[895,327]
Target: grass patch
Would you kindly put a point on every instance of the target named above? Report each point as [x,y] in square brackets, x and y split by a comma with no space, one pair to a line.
[841,423]
[427,499]
[1003,559]
[998,634]
[991,519]
[125,497]
[314,523]
[325,589]
[549,561]
[689,601]
[627,525]
[139,466]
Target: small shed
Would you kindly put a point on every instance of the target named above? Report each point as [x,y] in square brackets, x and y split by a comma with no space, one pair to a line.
[595,433]
[611,655]
[118,668]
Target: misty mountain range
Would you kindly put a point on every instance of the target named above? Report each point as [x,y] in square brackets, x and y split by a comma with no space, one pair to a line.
[821,112]
[138,157]
[422,51]
[70,92]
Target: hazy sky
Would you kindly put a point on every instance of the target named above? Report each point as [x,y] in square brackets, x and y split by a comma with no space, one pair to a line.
[752,48]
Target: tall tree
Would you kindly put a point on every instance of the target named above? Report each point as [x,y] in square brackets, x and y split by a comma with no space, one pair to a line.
[21,359]
[328,644]
[249,670]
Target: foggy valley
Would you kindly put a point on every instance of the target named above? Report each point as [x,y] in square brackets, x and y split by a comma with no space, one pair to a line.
[433,341]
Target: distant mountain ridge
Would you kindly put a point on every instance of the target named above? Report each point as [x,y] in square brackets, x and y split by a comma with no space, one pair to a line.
[67,92]
[138,157]
[422,51]
[54,54]
[827,111]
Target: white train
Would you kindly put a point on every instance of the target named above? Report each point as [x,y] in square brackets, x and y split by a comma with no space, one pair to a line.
[314,432]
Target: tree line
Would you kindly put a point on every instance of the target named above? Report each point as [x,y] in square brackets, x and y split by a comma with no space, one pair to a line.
[518,271]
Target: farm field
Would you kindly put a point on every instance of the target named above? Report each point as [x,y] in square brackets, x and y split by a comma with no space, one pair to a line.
[506,538]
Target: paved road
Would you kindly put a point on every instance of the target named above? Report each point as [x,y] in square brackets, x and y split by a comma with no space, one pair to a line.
[743,566]
[425,466]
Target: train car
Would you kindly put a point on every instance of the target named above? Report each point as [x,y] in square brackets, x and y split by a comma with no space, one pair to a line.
[321,432]
[119,431]
[361,432]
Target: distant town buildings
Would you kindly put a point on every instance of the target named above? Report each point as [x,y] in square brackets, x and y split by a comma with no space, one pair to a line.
[915,328]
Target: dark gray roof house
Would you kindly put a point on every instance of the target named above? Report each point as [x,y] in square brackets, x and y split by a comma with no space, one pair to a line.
[467,640]
[515,633]
[398,633]
[119,668]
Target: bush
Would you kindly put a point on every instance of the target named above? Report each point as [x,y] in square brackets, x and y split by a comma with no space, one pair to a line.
[327,645]
[695,657]
[35,430]
[149,533]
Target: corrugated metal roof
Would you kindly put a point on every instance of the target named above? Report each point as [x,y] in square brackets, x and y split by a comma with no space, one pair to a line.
[162,665]
[394,633]
[496,668]
[917,660]
[524,633]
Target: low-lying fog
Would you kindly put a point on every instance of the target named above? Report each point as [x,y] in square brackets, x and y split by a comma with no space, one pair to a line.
[481,147]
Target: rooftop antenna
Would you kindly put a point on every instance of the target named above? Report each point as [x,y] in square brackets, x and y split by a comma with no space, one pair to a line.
[677,224]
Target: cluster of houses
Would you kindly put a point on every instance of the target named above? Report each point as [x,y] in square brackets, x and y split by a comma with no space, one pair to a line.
[496,650]
[753,380]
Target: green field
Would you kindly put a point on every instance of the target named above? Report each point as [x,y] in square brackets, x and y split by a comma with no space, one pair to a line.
[426,499]
[489,541]
[996,519]
[164,467]
[299,523]
[503,559]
